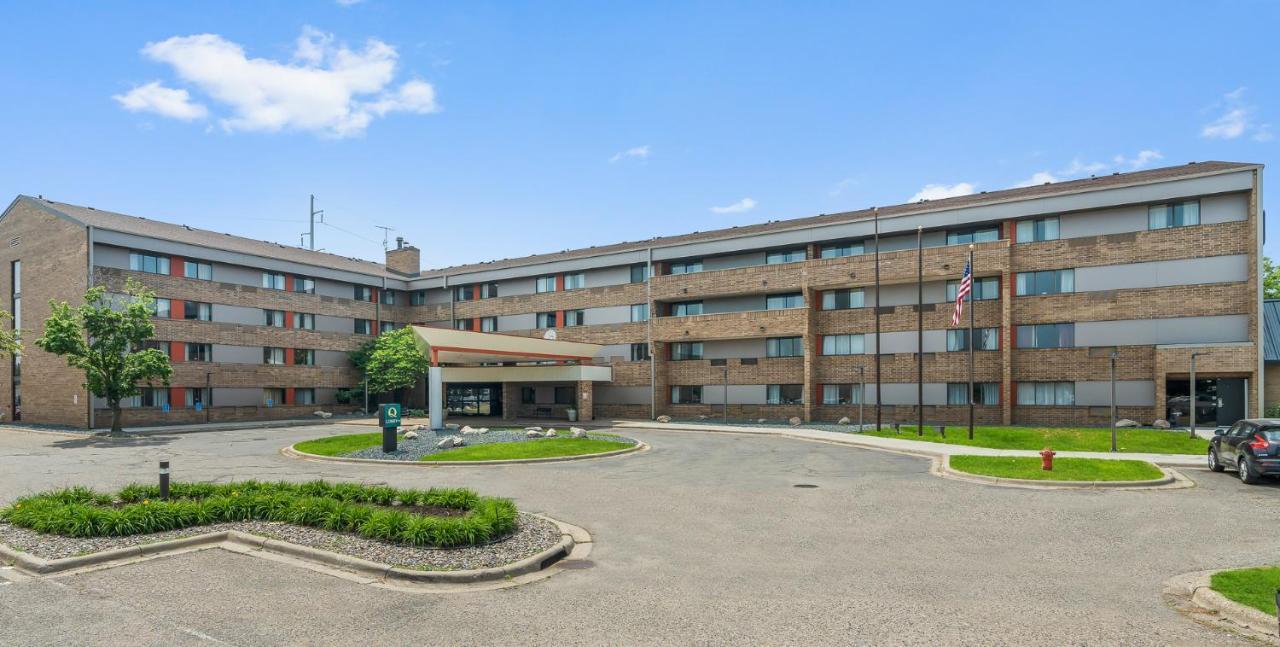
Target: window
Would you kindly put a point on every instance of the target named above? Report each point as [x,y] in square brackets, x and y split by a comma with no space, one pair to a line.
[546,284]
[574,317]
[785,256]
[418,298]
[462,324]
[196,311]
[363,293]
[202,397]
[304,285]
[272,397]
[199,352]
[488,290]
[686,350]
[686,267]
[1062,394]
[575,281]
[842,345]
[785,394]
[840,394]
[974,235]
[842,299]
[988,339]
[273,280]
[488,324]
[152,263]
[784,301]
[364,326]
[1179,214]
[304,396]
[304,321]
[149,397]
[686,394]
[639,312]
[841,249]
[564,395]
[639,273]
[528,395]
[463,293]
[546,320]
[686,308]
[783,347]
[640,352]
[274,318]
[386,326]
[984,289]
[1061,335]
[304,357]
[1046,282]
[197,270]
[1035,231]
[388,297]
[272,355]
[983,393]
[161,308]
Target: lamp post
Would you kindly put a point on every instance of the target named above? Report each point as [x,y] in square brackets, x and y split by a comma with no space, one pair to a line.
[1193,392]
[862,394]
[1114,354]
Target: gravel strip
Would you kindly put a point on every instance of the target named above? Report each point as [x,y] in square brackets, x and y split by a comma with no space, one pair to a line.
[533,535]
[425,444]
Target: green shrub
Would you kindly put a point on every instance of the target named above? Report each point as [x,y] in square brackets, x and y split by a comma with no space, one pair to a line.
[371,511]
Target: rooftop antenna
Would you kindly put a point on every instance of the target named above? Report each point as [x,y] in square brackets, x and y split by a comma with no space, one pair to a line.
[385,230]
[311,236]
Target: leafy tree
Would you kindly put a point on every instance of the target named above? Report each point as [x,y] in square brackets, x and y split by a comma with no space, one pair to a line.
[106,339]
[394,362]
[9,344]
[1270,279]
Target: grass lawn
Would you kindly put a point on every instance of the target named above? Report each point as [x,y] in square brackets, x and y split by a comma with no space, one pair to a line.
[1086,439]
[546,448]
[1064,469]
[1254,587]
[340,445]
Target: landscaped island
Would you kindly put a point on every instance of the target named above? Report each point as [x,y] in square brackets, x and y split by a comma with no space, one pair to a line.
[476,445]
[1254,587]
[1064,469]
[1069,439]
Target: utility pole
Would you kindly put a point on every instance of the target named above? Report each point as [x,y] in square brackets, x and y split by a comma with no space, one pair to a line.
[313,212]
[385,230]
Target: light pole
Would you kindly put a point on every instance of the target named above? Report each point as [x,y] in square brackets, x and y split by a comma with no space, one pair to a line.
[862,394]
[1193,392]
[1114,354]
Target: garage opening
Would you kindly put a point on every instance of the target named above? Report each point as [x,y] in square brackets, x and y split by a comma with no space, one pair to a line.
[1219,400]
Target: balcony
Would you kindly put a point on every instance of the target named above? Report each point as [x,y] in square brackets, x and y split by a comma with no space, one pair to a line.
[754,279]
[901,266]
[732,325]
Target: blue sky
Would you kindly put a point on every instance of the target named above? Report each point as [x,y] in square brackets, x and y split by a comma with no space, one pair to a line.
[489,130]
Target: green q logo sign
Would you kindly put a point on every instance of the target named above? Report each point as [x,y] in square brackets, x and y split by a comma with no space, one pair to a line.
[390,414]
[393,412]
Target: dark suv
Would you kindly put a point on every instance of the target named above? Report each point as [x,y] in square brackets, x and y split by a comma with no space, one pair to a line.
[1251,447]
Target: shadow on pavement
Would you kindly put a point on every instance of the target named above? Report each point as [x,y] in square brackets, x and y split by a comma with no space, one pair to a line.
[108,441]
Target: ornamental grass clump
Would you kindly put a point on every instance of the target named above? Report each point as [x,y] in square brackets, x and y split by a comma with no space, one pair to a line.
[377,512]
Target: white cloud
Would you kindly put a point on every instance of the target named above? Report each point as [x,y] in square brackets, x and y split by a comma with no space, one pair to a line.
[168,102]
[1078,167]
[1143,159]
[741,206]
[326,88]
[348,3]
[638,152]
[1238,118]
[940,191]
[1037,179]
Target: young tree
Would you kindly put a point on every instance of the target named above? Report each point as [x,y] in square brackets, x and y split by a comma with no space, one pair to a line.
[1270,279]
[106,339]
[395,362]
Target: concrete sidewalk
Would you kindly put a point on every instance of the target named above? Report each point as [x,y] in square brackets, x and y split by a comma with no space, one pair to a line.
[919,447]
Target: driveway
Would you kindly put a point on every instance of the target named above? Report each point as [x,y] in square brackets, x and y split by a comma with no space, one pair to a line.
[704,539]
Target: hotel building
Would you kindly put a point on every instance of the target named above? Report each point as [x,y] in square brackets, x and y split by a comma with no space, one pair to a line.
[773,320]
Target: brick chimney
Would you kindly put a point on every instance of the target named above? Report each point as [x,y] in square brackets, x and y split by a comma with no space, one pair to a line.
[404,259]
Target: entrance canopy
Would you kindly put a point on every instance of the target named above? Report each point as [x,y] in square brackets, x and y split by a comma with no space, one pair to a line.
[447,346]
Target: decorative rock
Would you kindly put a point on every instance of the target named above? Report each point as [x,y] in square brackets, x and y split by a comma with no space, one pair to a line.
[420,428]
[458,442]
[664,419]
[1161,424]
[318,414]
[761,421]
[1125,422]
[703,416]
[578,432]
[533,428]
[532,433]
[794,421]
[466,429]
[410,435]
[844,421]
[444,442]
[482,430]
[551,433]
[451,425]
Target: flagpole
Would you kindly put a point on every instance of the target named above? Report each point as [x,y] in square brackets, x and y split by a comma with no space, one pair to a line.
[875,212]
[972,306]
[919,330]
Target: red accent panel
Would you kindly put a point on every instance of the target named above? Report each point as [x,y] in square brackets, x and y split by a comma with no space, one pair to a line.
[288,283]
[373,295]
[177,397]
[1012,229]
[817,299]
[289,395]
[475,324]
[288,356]
[559,283]
[176,266]
[177,310]
[288,319]
[475,292]
[817,345]
[560,313]
[177,351]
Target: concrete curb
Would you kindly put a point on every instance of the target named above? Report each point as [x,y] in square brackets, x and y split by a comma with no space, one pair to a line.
[294,453]
[249,544]
[1170,481]
[1195,588]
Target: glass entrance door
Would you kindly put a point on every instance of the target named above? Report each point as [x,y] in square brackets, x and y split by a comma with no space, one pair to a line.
[474,399]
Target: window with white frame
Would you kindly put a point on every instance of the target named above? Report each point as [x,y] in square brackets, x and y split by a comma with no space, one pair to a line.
[842,344]
[1046,282]
[150,263]
[686,394]
[685,267]
[639,312]
[488,324]
[784,301]
[304,321]
[197,270]
[841,394]
[784,394]
[843,299]
[274,318]
[784,347]
[196,311]
[1038,230]
[546,320]
[839,250]
[161,308]
[988,339]
[986,288]
[973,235]
[785,256]
[984,393]
[575,317]
[1178,214]
[1061,394]
[546,284]
[272,355]
[686,308]
[273,280]
[1059,335]
[575,281]
[683,350]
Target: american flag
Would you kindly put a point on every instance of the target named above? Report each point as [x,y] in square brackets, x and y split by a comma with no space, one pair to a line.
[966,286]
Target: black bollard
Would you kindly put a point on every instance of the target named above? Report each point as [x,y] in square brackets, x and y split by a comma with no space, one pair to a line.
[164,480]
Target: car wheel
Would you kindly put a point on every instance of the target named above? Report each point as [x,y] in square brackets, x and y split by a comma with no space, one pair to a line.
[1247,474]
[1214,464]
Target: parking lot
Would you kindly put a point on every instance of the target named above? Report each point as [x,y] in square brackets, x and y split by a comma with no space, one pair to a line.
[703,539]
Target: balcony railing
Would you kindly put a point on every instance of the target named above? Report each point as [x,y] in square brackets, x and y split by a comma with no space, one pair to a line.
[732,325]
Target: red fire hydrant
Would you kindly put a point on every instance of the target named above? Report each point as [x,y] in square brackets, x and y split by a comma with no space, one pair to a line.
[1046,459]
